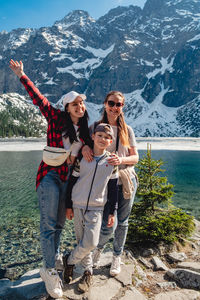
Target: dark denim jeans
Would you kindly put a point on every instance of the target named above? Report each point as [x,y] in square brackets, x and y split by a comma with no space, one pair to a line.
[120,228]
[51,195]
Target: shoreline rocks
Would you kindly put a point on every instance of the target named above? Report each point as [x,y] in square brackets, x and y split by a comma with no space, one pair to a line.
[161,275]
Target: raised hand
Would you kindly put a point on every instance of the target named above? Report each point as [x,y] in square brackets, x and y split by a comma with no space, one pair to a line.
[17,67]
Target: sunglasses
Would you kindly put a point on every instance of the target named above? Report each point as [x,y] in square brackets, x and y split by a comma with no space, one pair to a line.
[113,103]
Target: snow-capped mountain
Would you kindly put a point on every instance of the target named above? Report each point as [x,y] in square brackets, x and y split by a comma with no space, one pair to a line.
[152,55]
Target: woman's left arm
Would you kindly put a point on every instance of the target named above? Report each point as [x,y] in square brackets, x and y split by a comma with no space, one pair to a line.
[132,159]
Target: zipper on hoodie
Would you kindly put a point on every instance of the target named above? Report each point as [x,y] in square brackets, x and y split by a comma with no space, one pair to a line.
[92,183]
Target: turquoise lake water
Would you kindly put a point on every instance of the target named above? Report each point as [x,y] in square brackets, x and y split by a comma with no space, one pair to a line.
[18,172]
[19,218]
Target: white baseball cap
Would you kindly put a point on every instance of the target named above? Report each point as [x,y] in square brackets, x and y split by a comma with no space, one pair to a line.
[70,97]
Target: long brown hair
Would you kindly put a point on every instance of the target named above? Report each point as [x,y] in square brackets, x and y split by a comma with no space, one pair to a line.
[121,124]
[65,125]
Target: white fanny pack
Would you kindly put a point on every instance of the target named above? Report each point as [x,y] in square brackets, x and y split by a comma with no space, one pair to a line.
[54,156]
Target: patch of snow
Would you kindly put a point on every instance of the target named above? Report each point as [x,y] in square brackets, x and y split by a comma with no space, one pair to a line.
[50,82]
[195,38]
[44,75]
[157,118]
[146,62]
[58,42]
[39,59]
[90,64]
[173,2]
[80,21]
[124,56]
[94,111]
[99,52]
[165,65]
[84,69]
[63,56]
[117,17]
[132,42]
[16,40]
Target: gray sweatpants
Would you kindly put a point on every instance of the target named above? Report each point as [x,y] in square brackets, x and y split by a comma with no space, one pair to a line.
[87,229]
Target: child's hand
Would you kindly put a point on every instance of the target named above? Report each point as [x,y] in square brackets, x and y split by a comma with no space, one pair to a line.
[69,213]
[111,220]
[71,159]
[17,67]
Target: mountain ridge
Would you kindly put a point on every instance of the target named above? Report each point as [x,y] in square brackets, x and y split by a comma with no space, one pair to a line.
[148,54]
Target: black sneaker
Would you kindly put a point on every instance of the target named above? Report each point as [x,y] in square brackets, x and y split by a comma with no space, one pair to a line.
[68,269]
[85,282]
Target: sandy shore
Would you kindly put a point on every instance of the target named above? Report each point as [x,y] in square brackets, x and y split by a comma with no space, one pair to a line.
[22,144]
[31,144]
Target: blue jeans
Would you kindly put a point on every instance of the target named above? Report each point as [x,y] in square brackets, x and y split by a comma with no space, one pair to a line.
[120,228]
[51,195]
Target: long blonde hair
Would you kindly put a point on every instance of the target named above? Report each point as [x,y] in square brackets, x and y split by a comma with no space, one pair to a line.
[121,124]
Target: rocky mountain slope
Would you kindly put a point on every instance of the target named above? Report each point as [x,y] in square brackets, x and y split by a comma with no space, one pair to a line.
[19,117]
[150,54]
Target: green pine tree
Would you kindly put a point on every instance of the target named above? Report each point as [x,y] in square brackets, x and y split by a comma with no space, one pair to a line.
[153,189]
[153,217]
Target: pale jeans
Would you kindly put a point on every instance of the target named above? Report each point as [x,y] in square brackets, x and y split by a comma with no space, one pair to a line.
[51,195]
[120,227]
[87,229]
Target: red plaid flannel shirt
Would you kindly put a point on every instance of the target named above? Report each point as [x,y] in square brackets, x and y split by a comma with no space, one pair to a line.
[54,138]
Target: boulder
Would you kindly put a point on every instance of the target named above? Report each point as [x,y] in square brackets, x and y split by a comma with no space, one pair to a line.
[185,278]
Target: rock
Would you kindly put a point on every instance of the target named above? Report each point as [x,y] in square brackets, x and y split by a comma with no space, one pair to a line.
[129,284]
[161,249]
[147,252]
[167,285]
[158,264]
[177,256]
[186,278]
[129,255]
[140,273]
[194,266]
[139,276]
[137,282]
[125,276]
[105,259]
[107,290]
[196,234]
[133,294]
[5,286]
[103,285]
[27,287]
[179,295]
[145,262]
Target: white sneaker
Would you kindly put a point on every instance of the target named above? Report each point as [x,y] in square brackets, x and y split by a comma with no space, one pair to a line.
[59,262]
[96,257]
[115,268]
[52,282]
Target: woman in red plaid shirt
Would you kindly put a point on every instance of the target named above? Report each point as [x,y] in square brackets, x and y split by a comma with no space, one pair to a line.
[69,130]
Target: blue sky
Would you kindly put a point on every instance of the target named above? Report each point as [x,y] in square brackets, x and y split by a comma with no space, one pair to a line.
[38,13]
